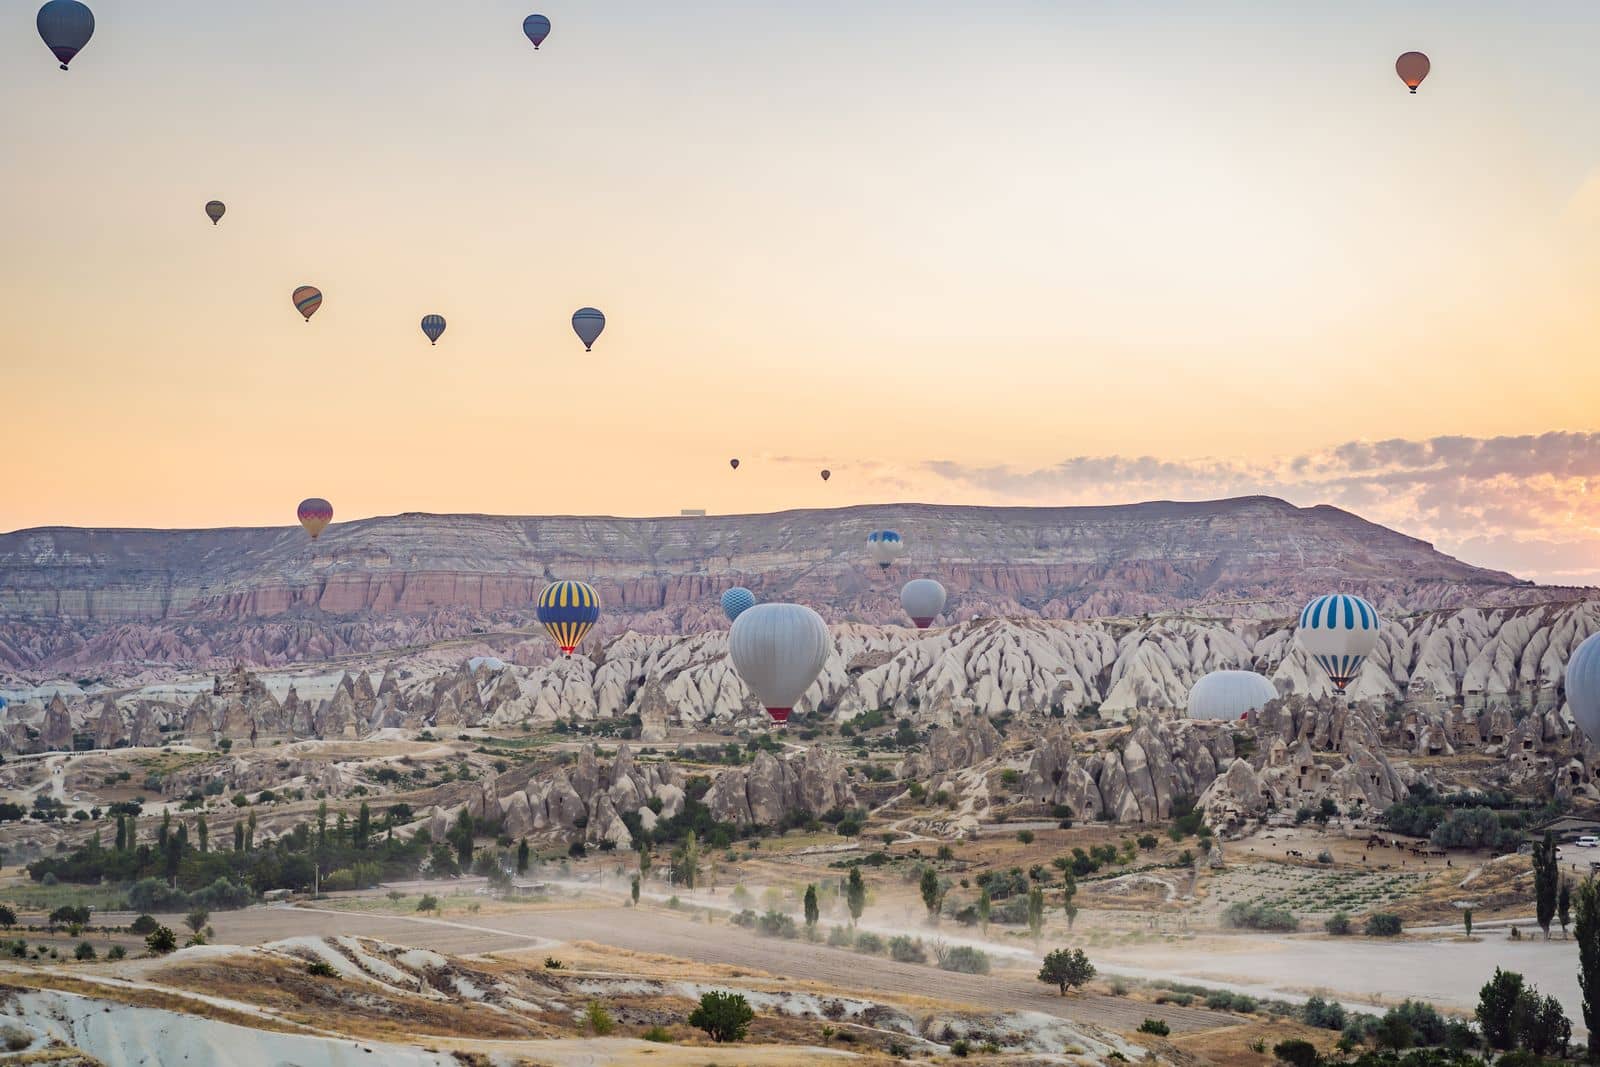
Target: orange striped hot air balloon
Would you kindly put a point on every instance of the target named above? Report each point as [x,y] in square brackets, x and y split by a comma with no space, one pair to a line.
[307,299]
[315,513]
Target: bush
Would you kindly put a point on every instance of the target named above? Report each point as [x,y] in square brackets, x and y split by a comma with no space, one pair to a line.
[321,969]
[161,941]
[144,924]
[963,960]
[1025,836]
[724,1016]
[1064,969]
[1337,924]
[871,944]
[116,952]
[1383,924]
[658,1035]
[1297,1053]
[1323,1014]
[1244,916]
[776,924]
[907,950]
[838,937]
[85,951]
[1155,1026]
[599,1020]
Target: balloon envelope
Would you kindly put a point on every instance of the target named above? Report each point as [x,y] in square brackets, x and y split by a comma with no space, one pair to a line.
[1229,695]
[307,299]
[885,546]
[1412,68]
[215,209]
[733,463]
[826,475]
[923,600]
[315,513]
[568,611]
[537,27]
[1339,631]
[737,601]
[1583,687]
[779,650]
[433,327]
[588,324]
[66,26]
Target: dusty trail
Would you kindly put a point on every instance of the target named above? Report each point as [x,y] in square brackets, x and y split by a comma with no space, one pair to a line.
[665,933]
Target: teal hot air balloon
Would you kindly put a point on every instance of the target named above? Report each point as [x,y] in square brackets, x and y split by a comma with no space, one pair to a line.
[537,27]
[66,26]
[737,601]
[588,324]
[433,326]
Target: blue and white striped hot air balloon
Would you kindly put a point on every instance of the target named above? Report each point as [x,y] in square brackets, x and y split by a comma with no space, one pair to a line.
[1339,631]
[886,546]
[737,601]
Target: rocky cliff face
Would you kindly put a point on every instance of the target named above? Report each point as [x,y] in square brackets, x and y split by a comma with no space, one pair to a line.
[92,599]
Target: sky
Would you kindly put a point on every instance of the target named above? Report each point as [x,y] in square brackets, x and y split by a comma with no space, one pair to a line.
[1012,253]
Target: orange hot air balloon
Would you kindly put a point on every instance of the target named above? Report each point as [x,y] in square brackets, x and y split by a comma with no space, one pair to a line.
[315,513]
[1412,68]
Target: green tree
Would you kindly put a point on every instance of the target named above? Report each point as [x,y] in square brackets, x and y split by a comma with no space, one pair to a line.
[813,912]
[363,826]
[161,941]
[429,902]
[1466,920]
[250,832]
[322,824]
[238,837]
[1064,969]
[1545,877]
[461,836]
[122,834]
[635,890]
[8,916]
[1498,1002]
[1393,1032]
[85,951]
[855,895]
[1036,912]
[522,860]
[204,833]
[644,860]
[196,920]
[1564,906]
[686,861]
[1544,1028]
[1297,1053]
[1587,932]
[930,891]
[724,1016]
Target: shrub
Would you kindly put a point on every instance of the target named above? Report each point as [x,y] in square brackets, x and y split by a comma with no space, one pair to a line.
[1025,836]
[1259,917]
[1383,924]
[776,924]
[599,1019]
[161,941]
[116,952]
[658,1035]
[963,960]
[723,1016]
[838,937]
[961,1048]
[1297,1053]
[1064,969]
[144,924]
[871,944]
[1337,924]
[85,951]
[907,950]
[321,969]
[1323,1014]
[1155,1026]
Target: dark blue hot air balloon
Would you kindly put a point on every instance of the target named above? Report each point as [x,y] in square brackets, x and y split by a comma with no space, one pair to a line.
[433,326]
[588,324]
[66,26]
[537,27]
[568,611]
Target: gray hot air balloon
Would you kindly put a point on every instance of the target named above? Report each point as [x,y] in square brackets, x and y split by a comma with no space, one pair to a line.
[923,600]
[1229,695]
[779,650]
[215,209]
[433,327]
[66,26]
[588,324]
[1583,687]
[537,27]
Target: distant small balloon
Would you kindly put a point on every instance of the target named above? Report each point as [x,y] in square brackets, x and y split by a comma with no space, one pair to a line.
[315,513]
[215,209]
[588,324]
[923,600]
[733,463]
[1412,68]
[737,601]
[307,299]
[537,27]
[66,26]
[826,475]
[433,326]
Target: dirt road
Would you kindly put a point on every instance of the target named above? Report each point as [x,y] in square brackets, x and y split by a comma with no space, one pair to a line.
[666,933]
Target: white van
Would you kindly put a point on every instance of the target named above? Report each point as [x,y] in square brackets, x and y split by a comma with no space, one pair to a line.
[1589,841]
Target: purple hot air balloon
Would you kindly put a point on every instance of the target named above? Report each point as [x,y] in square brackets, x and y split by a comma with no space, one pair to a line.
[537,27]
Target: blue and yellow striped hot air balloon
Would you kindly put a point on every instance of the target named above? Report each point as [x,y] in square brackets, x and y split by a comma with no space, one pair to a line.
[568,611]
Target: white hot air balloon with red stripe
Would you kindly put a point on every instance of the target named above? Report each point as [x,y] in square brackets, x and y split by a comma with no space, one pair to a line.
[779,650]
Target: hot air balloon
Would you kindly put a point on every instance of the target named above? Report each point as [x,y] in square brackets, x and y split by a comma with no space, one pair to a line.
[315,513]
[307,299]
[66,26]
[588,324]
[779,650]
[923,599]
[1229,695]
[1583,687]
[1339,631]
[737,601]
[886,546]
[1412,68]
[433,326]
[537,27]
[215,209]
[733,463]
[826,475]
[568,611]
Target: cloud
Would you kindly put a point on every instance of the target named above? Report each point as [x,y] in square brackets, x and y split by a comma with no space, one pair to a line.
[1518,503]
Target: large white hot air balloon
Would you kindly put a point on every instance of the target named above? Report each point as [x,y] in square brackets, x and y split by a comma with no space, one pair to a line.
[779,650]
[1229,695]
[923,599]
[1339,631]
[1583,687]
